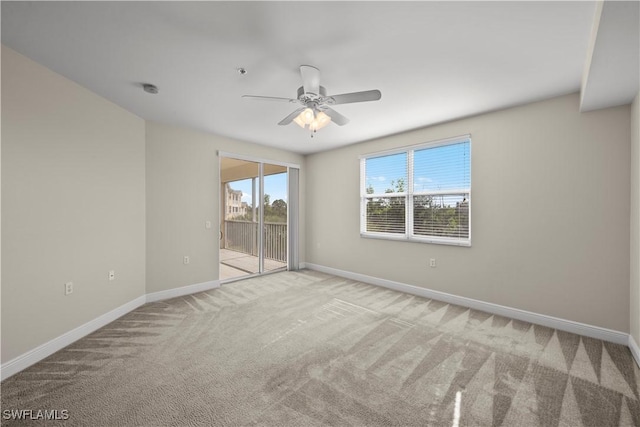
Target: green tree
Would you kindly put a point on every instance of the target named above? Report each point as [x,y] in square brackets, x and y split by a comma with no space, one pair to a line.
[432,215]
[396,186]
[273,212]
[278,211]
[388,214]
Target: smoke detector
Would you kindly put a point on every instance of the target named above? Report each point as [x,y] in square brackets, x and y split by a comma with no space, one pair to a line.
[149,88]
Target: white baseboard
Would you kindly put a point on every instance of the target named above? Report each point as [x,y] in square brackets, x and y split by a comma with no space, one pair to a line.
[514,313]
[37,354]
[183,290]
[635,350]
[302,265]
[27,359]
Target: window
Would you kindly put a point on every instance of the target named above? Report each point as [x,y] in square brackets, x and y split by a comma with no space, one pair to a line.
[420,193]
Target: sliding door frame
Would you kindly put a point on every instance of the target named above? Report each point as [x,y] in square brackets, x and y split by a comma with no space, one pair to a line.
[292,258]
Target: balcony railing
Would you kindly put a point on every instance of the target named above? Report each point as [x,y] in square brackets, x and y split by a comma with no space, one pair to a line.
[242,236]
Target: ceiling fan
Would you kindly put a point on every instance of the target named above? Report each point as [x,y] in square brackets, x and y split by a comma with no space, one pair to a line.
[316,111]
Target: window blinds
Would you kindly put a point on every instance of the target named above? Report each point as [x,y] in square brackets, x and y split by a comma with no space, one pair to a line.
[422,193]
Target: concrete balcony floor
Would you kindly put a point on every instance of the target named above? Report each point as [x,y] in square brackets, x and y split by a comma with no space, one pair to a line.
[235,264]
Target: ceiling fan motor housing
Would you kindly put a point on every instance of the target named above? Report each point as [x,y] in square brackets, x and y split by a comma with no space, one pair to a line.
[306,97]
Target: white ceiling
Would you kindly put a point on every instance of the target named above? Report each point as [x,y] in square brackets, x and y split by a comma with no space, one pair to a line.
[433,61]
[612,74]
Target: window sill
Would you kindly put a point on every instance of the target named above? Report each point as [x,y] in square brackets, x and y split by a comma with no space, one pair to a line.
[416,239]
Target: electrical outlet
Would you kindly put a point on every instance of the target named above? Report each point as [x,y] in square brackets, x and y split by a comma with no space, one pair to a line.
[207,224]
[432,263]
[186,260]
[112,275]
[68,288]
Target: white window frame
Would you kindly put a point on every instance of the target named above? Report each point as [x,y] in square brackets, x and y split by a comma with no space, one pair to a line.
[410,193]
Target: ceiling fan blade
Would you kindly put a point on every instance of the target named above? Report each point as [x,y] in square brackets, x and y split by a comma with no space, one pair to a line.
[336,117]
[348,98]
[310,79]
[269,98]
[291,116]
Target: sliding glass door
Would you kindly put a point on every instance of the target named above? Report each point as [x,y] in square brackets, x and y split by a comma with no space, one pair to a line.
[274,229]
[254,217]
[239,254]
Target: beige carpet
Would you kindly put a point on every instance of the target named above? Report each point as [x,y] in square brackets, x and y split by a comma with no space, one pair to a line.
[306,349]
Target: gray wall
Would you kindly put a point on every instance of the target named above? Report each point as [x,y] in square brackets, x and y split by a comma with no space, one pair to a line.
[182,193]
[72,205]
[550,214]
[634,299]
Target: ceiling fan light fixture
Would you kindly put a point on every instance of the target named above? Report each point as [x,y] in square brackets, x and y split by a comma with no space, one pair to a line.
[320,121]
[307,116]
[299,121]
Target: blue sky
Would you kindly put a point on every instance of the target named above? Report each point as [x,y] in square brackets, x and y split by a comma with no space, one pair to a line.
[274,185]
[442,168]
